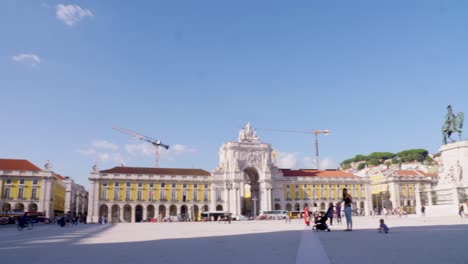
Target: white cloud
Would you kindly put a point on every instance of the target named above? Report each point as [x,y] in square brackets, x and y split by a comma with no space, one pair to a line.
[140,149]
[286,160]
[29,59]
[325,163]
[87,152]
[71,14]
[147,150]
[104,156]
[104,144]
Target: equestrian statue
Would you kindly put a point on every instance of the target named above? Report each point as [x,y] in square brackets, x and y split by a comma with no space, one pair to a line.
[453,123]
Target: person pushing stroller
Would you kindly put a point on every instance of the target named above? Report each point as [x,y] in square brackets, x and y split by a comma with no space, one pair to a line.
[321,223]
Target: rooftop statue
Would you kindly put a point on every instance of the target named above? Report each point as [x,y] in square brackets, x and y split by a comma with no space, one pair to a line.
[248,134]
[453,123]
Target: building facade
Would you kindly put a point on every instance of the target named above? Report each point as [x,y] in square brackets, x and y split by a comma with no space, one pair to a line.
[396,188]
[24,187]
[245,182]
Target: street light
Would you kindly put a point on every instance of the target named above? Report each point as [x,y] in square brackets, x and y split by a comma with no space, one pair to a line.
[316,132]
[255,207]
[229,187]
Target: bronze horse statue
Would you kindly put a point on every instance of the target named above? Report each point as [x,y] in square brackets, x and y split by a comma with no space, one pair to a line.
[453,123]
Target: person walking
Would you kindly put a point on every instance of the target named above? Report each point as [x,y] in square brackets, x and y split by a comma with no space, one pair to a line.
[330,213]
[348,200]
[423,210]
[460,211]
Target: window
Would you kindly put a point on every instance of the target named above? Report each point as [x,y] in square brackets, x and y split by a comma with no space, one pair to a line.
[104,194]
[116,184]
[330,192]
[151,195]
[128,195]
[297,192]
[116,195]
[163,185]
[8,181]
[277,197]
[288,195]
[21,181]
[173,195]
[206,186]
[195,186]
[33,193]
[162,195]
[20,193]
[314,193]
[140,195]
[195,196]
[173,185]
[151,184]
[322,192]
[34,182]
[297,186]
[184,185]
[205,195]
[140,184]
[287,186]
[218,196]
[129,184]
[7,193]
[104,184]
[184,195]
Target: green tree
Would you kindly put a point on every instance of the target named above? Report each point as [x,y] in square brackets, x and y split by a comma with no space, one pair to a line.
[361,166]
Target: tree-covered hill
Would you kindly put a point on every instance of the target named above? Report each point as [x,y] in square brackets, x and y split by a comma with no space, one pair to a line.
[376,158]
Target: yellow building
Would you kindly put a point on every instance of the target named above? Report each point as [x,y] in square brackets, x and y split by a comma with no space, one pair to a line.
[395,188]
[24,187]
[134,194]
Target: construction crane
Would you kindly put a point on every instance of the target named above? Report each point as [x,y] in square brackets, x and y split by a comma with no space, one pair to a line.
[156,143]
[316,132]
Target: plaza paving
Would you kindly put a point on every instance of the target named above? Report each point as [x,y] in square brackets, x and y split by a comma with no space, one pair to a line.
[411,240]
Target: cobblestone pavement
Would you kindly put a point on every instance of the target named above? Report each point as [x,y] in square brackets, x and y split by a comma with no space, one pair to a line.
[411,240]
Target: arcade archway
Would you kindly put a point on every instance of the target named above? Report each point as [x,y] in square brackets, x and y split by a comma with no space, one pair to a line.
[251,198]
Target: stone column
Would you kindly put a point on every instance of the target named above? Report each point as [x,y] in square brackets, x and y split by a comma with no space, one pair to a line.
[68,201]
[132,213]
[429,196]
[49,192]
[41,205]
[109,214]
[237,197]
[393,195]
[121,215]
[91,216]
[145,212]
[417,194]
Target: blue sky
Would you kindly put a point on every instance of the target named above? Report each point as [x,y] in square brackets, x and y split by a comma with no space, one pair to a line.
[191,73]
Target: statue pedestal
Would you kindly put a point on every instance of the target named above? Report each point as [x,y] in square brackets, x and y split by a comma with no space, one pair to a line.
[452,187]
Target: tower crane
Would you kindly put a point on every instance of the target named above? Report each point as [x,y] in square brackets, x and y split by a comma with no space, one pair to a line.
[316,132]
[156,143]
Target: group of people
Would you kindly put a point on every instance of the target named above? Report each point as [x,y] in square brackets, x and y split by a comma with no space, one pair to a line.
[386,212]
[320,218]
[69,219]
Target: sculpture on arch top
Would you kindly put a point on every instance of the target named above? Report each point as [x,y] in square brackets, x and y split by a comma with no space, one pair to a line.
[248,135]
[453,123]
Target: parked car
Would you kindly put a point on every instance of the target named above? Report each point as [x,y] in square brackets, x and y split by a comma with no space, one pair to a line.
[242,218]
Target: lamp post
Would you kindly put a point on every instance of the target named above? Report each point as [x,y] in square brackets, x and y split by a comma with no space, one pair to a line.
[316,132]
[228,188]
[255,207]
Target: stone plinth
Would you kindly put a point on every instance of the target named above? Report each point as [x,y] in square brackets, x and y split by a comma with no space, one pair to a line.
[452,187]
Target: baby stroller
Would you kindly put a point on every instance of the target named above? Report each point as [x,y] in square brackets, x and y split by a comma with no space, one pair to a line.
[321,224]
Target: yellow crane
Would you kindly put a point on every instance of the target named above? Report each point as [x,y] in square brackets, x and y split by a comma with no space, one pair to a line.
[316,132]
[156,143]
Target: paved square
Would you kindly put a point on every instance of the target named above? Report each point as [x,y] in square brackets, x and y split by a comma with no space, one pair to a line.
[411,240]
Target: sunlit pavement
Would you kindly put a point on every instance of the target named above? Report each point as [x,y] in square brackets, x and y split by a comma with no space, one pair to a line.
[411,240]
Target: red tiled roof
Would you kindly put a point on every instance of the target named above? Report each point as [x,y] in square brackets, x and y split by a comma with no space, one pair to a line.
[17,164]
[316,173]
[413,173]
[157,171]
[60,177]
